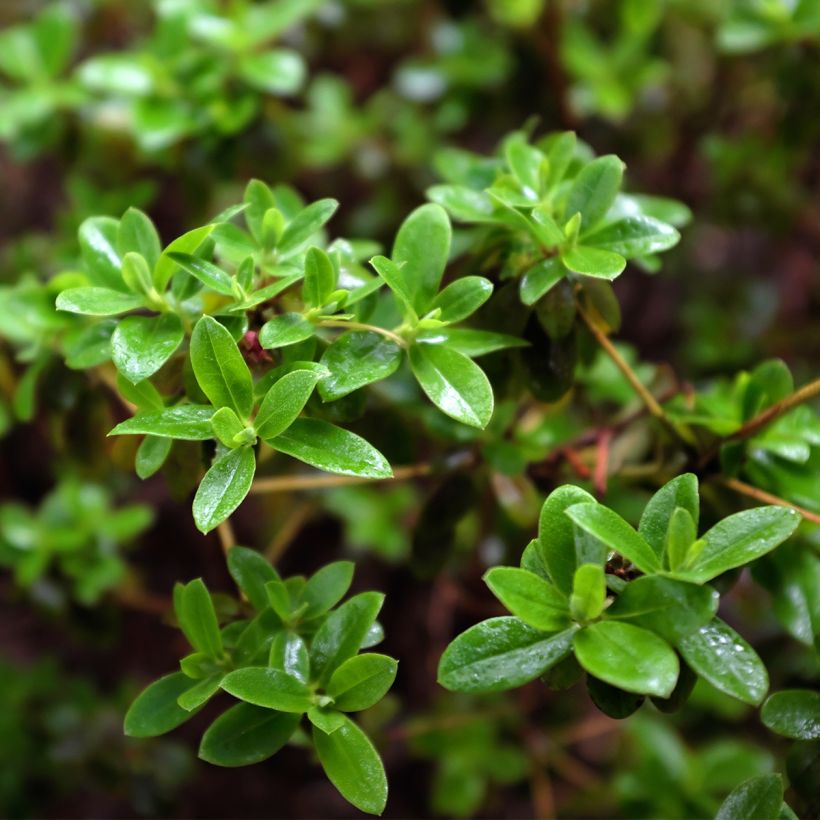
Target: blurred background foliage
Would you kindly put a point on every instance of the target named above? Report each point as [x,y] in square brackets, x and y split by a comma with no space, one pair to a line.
[171,105]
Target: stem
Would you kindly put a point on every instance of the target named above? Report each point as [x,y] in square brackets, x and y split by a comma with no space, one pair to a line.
[288,531]
[767,498]
[779,408]
[276,484]
[394,337]
[226,535]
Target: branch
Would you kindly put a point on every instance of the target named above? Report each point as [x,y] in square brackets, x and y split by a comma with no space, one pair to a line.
[767,498]
[394,337]
[779,408]
[226,535]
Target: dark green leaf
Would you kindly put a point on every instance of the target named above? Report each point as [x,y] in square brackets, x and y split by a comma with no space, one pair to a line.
[305,224]
[142,344]
[594,190]
[462,298]
[679,492]
[156,711]
[470,342]
[540,279]
[209,274]
[759,798]
[362,681]
[326,587]
[197,618]
[357,358]
[151,455]
[793,713]
[251,572]
[284,402]
[286,329]
[95,301]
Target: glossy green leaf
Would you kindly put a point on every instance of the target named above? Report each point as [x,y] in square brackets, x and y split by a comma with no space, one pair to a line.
[284,402]
[305,224]
[270,688]
[155,710]
[326,719]
[633,236]
[353,766]
[681,534]
[223,488]
[362,681]
[421,250]
[535,601]
[793,713]
[198,695]
[151,455]
[98,246]
[540,279]
[463,203]
[289,653]
[740,539]
[342,633]
[760,798]
[326,587]
[209,274]
[456,385]
[137,234]
[331,449]
[470,342]
[142,344]
[197,618]
[500,653]
[397,280]
[673,609]
[627,657]
[556,536]
[357,358]
[679,492]
[219,367]
[95,301]
[246,734]
[588,592]
[593,262]
[462,298]
[136,274]
[227,427]
[594,190]
[320,278]
[285,329]
[186,244]
[251,571]
[719,655]
[189,422]
[607,526]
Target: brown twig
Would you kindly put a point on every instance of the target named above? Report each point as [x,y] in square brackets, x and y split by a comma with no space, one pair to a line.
[288,531]
[227,538]
[277,484]
[602,463]
[767,498]
[543,801]
[779,408]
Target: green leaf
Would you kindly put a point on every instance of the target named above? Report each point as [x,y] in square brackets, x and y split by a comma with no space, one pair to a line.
[223,488]
[628,657]
[98,246]
[304,225]
[396,278]
[278,71]
[499,654]
[201,693]
[142,344]
[285,329]
[342,633]
[156,711]
[331,449]
[463,203]
[289,653]
[320,278]
[613,702]
[186,244]
[353,766]
[720,656]
[94,301]
[588,592]
[740,539]
[354,359]
[270,688]
[470,342]
[594,190]
[537,603]
[189,422]
[540,279]
[680,536]
[633,236]
[251,571]
[456,385]
[421,249]
[284,402]
[137,234]
[673,609]
[206,272]
[197,618]
[608,527]
[227,427]
[328,720]
[219,367]
[593,262]
[151,455]
[462,298]
[794,713]
[556,536]
[326,587]
[246,734]
[679,492]
[759,798]
[136,274]
[362,681]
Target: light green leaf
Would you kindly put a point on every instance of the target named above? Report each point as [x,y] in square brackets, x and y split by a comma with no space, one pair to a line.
[331,449]
[270,688]
[198,695]
[289,653]
[98,246]
[320,278]
[353,766]
[209,274]
[588,592]
[156,711]
[633,236]
[793,713]
[227,427]
[362,681]
[463,203]
[285,329]
[137,234]
[284,402]
[94,301]
[223,488]
[470,342]
[679,492]
[760,798]
[397,280]
[540,279]
[462,298]
[141,345]
[278,71]
[197,618]
[537,603]
[499,654]
[304,225]
[719,655]
[456,385]
[151,455]
[186,244]
[628,657]
[593,262]
[594,190]
[219,367]
[357,358]
[189,422]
